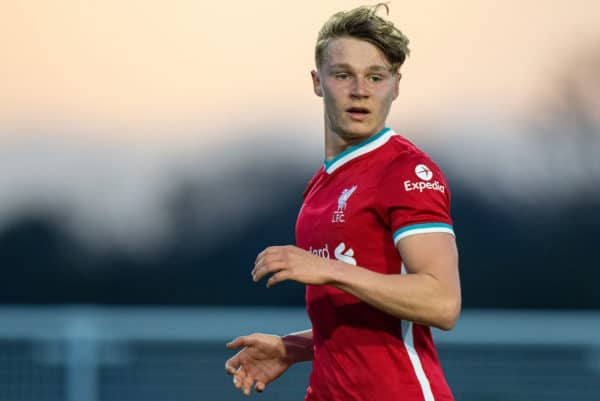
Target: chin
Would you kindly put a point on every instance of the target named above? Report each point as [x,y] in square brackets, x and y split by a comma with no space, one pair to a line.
[360,131]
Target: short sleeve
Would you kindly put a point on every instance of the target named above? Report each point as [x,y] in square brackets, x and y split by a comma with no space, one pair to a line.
[414,197]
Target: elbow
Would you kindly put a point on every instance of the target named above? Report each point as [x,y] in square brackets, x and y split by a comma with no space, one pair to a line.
[448,314]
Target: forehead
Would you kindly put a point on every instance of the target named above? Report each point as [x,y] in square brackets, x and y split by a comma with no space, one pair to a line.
[358,54]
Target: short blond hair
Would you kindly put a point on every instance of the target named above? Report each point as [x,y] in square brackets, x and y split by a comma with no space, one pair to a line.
[363,23]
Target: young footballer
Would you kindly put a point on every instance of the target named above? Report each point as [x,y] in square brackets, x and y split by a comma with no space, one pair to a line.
[375,245]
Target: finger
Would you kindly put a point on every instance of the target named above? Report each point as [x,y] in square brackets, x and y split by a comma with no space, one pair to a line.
[271,266]
[231,366]
[266,258]
[258,260]
[247,384]
[259,386]
[262,253]
[253,271]
[238,378]
[260,269]
[261,266]
[238,382]
[277,278]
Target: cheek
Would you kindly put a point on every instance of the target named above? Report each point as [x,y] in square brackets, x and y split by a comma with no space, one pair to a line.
[387,98]
[331,101]
[333,90]
[331,109]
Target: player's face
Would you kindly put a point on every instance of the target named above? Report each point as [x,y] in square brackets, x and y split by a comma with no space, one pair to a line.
[357,86]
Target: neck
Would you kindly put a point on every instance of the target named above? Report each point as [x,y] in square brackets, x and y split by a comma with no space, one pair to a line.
[337,142]
[334,144]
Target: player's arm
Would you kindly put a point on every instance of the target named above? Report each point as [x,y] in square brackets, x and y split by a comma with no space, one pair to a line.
[264,357]
[428,294]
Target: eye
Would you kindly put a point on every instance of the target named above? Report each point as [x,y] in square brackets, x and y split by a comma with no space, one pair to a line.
[342,76]
[375,78]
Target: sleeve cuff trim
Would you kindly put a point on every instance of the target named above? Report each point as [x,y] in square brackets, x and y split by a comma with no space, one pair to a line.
[422,229]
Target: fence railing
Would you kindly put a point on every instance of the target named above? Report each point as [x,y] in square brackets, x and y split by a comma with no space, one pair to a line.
[88,353]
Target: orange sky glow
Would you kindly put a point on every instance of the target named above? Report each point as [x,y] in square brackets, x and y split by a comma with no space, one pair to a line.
[158,63]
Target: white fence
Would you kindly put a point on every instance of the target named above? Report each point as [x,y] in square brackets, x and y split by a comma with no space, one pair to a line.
[89,353]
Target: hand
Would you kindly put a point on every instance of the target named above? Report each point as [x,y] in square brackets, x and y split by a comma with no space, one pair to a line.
[261,360]
[290,263]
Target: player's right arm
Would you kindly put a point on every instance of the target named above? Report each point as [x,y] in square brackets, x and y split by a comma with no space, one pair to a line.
[265,357]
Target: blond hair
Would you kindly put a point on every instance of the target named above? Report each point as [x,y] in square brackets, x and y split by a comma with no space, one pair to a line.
[364,23]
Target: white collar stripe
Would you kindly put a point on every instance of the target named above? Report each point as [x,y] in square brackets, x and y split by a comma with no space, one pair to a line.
[352,153]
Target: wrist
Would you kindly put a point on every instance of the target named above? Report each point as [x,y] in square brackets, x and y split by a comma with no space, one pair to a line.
[336,271]
[298,348]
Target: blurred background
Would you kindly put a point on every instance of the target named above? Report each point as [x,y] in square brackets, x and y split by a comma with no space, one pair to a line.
[150,149]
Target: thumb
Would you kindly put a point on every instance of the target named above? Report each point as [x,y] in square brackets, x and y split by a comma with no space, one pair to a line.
[243,341]
[235,343]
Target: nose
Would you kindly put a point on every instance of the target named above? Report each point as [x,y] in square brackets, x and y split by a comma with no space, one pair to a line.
[359,88]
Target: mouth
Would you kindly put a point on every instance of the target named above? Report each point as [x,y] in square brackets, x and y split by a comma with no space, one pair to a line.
[358,113]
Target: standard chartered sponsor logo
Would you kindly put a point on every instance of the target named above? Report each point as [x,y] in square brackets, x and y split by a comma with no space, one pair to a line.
[322,252]
[421,186]
[340,252]
[345,255]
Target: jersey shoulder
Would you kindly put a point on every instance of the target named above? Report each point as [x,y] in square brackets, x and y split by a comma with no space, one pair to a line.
[409,174]
[414,196]
[404,158]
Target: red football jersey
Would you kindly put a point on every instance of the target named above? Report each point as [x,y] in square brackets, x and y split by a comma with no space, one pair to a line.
[356,208]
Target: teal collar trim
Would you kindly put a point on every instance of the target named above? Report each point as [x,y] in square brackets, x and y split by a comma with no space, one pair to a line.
[369,144]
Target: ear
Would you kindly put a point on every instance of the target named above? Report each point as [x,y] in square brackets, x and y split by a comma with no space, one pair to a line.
[398,77]
[316,83]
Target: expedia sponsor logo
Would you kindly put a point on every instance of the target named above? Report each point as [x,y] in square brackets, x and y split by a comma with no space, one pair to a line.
[422,186]
[425,174]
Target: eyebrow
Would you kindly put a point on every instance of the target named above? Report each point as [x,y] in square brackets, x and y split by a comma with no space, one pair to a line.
[374,68]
